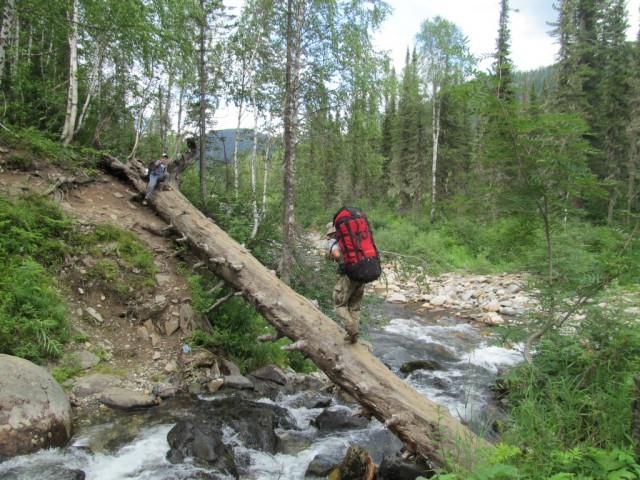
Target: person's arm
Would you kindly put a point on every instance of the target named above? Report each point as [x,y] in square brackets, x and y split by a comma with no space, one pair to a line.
[334,250]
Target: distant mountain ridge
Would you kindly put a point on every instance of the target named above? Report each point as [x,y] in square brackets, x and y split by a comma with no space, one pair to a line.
[220,143]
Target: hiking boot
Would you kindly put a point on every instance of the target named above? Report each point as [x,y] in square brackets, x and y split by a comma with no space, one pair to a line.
[351,337]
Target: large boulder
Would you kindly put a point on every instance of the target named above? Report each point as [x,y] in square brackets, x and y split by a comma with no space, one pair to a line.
[203,444]
[35,412]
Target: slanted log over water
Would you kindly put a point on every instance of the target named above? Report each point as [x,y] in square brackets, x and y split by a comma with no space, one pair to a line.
[425,427]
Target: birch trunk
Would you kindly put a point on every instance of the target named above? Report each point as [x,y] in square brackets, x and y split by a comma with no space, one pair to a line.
[434,163]
[5,34]
[72,97]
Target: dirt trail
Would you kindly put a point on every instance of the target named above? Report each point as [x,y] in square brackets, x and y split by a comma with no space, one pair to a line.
[131,350]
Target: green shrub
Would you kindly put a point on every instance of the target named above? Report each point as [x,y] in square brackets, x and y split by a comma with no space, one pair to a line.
[20,161]
[66,368]
[578,391]
[36,227]
[236,327]
[33,315]
[35,236]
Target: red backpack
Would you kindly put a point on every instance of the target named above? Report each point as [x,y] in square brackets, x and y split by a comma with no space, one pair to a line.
[359,251]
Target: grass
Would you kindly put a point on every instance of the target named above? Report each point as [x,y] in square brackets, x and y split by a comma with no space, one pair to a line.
[36,241]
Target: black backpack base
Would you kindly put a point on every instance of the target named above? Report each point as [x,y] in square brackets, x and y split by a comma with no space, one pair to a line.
[365,271]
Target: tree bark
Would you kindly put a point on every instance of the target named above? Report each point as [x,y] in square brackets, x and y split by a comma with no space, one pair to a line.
[8,15]
[425,428]
[72,96]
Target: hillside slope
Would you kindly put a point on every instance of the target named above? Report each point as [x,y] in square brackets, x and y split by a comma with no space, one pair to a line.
[137,349]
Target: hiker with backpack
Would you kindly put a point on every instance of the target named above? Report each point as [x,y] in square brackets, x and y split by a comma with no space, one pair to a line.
[351,245]
[157,173]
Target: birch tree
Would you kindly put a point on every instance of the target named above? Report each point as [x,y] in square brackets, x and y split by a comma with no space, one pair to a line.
[443,60]
[72,96]
[8,19]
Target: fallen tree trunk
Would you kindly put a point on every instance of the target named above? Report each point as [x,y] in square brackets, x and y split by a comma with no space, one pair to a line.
[425,428]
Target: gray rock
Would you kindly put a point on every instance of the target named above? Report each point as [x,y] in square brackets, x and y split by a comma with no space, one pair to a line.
[93,384]
[513,288]
[322,465]
[396,297]
[397,468]
[165,390]
[86,360]
[202,443]
[35,412]
[292,442]
[413,365]
[95,315]
[339,419]
[270,373]
[123,399]
[237,382]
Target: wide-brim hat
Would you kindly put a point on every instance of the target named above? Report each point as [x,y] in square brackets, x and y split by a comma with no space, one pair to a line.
[330,229]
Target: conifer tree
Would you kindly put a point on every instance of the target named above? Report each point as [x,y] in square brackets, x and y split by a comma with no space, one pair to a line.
[407,166]
[613,101]
[502,67]
[388,122]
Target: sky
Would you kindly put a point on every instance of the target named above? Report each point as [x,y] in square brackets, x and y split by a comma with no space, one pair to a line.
[531,44]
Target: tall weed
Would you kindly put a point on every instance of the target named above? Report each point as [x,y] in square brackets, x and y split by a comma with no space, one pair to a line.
[33,314]
[577,393]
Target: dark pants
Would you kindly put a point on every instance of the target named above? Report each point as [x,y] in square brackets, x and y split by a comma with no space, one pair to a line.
[153,181]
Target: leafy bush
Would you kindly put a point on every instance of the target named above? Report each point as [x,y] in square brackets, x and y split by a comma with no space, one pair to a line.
[34,239]
[33,315]
[20,161]
[36,227]
[236,327]
[577,393]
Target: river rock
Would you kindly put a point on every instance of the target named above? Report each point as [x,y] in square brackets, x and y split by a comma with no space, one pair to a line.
[492,318]
[311,400]
[86,360]
[322,465]
[357,463]
[268,380]
[331,420]
[35,412]
[429,365]
[292,442]
[202,443]
[58,472]
[270,373]
[123,399]
[94,384]
[396,297]
[398,469]
[165,389]
[238,382]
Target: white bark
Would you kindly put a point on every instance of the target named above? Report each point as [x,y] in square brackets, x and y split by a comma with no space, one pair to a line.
[72,97]
[236,139]
[435,122]
[254,152]
[5,34]
[93,85]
